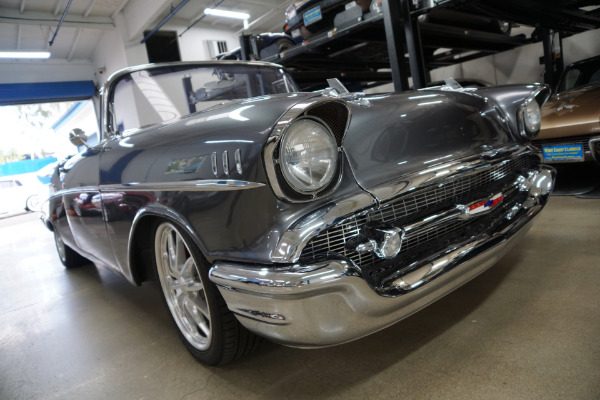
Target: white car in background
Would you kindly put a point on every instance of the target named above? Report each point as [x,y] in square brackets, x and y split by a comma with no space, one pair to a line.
[16,196]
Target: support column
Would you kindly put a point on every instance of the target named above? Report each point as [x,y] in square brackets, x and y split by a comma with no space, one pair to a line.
[418,72]
[392,19]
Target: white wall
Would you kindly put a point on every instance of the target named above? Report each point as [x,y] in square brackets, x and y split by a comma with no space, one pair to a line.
[27,71]
[521,64]
[115,52]
[191,44]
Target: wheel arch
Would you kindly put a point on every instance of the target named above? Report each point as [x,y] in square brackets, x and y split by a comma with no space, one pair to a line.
[140,249]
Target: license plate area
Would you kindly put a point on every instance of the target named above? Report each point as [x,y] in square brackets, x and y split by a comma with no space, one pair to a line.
[313,15]
[563,153]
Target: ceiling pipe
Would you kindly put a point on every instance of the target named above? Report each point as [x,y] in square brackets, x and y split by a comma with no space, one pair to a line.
[200,19]
[164,21]
[60,22]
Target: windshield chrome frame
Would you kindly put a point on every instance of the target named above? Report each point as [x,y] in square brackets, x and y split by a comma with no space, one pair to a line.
[107,88]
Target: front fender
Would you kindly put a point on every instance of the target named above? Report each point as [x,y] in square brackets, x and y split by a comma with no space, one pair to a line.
[140,246]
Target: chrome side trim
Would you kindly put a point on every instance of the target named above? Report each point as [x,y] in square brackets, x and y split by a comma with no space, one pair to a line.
[209,185]
[213,162]
[82,189]
[226,162]
[238,161]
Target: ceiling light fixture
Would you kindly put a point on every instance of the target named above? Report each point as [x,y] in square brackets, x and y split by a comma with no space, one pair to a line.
[24,54]
[226,14]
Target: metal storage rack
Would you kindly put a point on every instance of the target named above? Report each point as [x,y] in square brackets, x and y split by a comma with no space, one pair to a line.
[391,45]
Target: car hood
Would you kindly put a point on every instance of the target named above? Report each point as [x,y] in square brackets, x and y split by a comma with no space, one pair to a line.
[405,133]
[572,113]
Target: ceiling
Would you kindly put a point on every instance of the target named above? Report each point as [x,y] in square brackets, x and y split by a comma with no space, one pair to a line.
[29,25]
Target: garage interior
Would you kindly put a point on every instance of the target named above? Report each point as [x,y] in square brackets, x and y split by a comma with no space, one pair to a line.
[526,328]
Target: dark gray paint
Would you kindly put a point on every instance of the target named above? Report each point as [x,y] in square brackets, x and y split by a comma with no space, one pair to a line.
[398,134]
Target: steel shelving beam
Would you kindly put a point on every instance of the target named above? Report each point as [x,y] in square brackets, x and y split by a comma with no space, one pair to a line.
[392,20]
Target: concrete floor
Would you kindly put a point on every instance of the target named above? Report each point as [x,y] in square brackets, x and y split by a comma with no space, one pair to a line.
[528,328]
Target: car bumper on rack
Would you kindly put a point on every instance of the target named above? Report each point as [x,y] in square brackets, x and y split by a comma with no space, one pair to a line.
[328,303]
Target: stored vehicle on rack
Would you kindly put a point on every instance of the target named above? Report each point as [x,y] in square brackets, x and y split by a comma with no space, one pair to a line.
[570,129]
[311,219]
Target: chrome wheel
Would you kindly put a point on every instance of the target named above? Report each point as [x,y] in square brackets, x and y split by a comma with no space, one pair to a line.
[182,286]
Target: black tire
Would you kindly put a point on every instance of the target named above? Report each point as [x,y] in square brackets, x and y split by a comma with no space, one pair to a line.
[283,44]
[207,328]
[68,257]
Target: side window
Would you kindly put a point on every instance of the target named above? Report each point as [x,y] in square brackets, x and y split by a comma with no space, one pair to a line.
[570,79]
[140,100]
[595,76]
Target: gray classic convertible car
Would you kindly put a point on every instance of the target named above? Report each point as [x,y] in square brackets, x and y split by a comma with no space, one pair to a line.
[311,219]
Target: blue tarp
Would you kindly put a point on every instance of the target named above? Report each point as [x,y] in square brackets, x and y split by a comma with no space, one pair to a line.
[25,166]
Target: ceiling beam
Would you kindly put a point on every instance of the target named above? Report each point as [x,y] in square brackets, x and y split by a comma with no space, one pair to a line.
[89,9]
[8,16]
[267,15]
[118,9]
[141,15]
[57,7]
[74,44]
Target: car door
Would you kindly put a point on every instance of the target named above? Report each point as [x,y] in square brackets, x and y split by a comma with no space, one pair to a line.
[83,205]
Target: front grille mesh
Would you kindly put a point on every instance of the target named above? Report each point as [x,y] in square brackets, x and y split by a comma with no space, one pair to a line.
[415,206]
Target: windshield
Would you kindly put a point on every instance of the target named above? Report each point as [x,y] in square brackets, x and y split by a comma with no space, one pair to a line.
[158,95]
[580,75]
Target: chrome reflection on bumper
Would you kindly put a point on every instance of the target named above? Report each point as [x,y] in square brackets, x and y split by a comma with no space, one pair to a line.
[328,303]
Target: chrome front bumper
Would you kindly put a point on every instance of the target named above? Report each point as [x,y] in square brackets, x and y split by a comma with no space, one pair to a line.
[327,303]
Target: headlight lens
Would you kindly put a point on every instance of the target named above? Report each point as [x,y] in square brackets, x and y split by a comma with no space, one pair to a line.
[532,117]
[530,120]
[308,156]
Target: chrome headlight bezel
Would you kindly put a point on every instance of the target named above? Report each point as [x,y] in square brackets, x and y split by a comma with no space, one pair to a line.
[334,115]
[291,175]
[529,113]
[530,119]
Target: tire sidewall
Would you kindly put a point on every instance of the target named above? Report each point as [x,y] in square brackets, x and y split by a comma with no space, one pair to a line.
[214,353]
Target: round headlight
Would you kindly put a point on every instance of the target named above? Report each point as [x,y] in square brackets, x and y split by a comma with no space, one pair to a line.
[308,156]
[532,117]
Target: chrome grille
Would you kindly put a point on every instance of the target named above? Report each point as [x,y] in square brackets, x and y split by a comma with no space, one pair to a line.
[412,206]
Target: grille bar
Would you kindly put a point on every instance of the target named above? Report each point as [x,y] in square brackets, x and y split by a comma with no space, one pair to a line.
[414,206]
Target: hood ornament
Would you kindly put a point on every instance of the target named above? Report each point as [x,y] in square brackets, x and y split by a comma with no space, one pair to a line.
[337,90]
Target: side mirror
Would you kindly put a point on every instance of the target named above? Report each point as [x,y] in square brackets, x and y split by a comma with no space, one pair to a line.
[78,137]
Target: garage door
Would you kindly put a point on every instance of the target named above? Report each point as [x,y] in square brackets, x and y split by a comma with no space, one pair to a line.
[44,92]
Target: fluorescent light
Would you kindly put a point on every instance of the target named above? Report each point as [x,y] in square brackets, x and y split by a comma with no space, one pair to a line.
[24,54]
[225,13]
